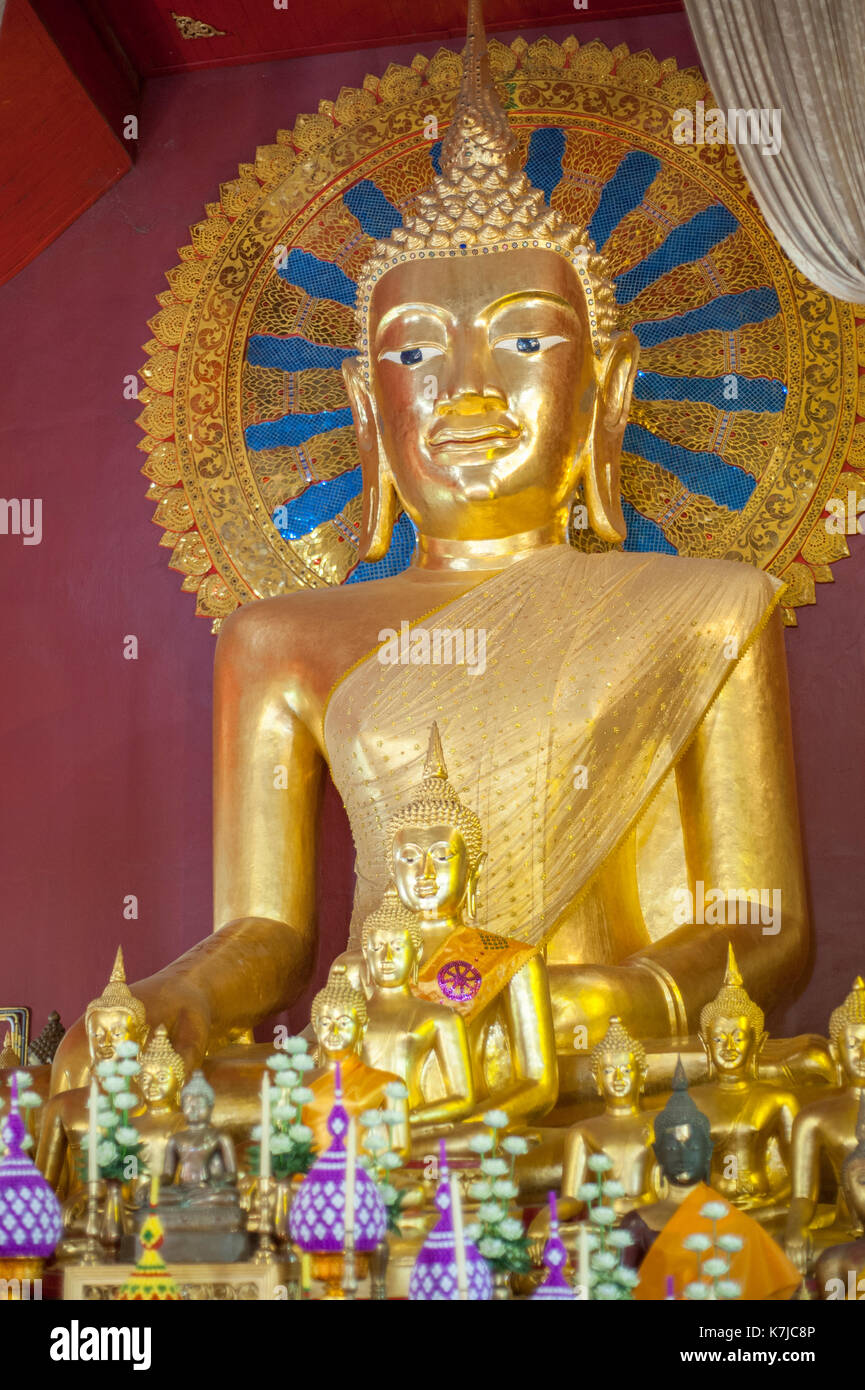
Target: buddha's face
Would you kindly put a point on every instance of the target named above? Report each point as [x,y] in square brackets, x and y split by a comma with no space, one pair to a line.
[338,1029]
[483,384]
[682,1154]
[108,1027]
[430,868]
[196,1108]
[159,1084]
[619,1076]
[851,1053]
[731,1043]
[390,956]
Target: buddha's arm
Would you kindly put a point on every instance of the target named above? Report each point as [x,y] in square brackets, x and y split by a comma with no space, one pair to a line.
[533,1042]
[805,1178]
[574,1164]
[450,1044]
[737,793]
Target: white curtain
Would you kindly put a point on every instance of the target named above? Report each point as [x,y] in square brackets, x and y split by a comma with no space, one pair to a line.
[806,59]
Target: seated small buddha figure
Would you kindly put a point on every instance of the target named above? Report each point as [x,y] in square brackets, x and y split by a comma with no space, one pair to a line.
[683,1148]
[339,1020]
[841,1267]
[498,985]
[160,1083]
[751,1119]
[623,1131]
[424,1043]
[825,1129]
[199,1169]
[115,1016]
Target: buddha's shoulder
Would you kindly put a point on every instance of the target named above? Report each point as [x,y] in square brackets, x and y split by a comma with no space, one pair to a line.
[677,572]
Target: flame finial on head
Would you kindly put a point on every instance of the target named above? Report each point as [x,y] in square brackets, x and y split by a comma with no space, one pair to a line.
[482,202]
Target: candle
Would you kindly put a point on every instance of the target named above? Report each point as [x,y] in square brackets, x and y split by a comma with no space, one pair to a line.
[459,1238]
[93,1135]
[350,1174]
[154,1189]
[264,1150]
[583,1264]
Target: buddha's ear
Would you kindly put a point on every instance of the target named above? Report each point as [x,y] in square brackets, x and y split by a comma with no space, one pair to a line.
[472,888]
[615,375]
[380,502]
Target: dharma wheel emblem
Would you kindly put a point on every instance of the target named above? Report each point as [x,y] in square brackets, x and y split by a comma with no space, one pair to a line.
[459,981]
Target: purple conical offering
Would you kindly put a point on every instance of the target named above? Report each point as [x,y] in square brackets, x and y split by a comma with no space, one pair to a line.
[555,1258]
[317,1220]
[30,1221]
[435,1269]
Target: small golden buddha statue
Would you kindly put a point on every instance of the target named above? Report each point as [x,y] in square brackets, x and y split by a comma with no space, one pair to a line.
[339,1020]
[623,1131]
[490,395]
[160,1083]
[825,1131]
[751,1119]
[423,1043]
[116,1016]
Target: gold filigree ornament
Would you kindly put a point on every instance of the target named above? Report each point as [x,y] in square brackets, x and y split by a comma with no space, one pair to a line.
[744,424]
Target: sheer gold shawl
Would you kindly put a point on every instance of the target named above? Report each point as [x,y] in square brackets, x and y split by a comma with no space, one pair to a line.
[598,670]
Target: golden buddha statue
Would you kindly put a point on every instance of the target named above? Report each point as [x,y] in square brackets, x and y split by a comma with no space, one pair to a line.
[339,1021]
[825,1132]
[9,1058]
[490,396]
[498,986]
[840,1268]
[160,1083]
[425,1044]
[115,1016]
[751,1119]
[623,1131]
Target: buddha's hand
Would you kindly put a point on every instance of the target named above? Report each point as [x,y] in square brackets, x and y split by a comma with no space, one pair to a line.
[179,1003]
[586,997]
[797,1244]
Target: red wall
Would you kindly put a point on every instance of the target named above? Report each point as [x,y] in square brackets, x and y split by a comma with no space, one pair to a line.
[106,762]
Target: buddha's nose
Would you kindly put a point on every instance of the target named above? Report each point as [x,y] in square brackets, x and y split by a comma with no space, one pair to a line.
[471,403]
[429,868]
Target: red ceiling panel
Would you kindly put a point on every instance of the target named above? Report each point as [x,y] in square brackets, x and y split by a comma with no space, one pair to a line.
[258,30]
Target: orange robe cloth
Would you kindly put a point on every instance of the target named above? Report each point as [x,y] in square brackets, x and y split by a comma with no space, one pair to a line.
[761,1268]
[362,1089]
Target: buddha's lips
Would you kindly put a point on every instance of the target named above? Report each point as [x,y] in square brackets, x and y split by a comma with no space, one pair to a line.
[449,437]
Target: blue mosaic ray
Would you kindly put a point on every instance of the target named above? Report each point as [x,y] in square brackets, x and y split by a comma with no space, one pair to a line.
[704,473]
[319,502]
[622,193]
[752,393]
[644,534]
[375,213]
[294,429]
[321,279]
[689,242]
[544,164]
[294,354]
[728,313]
[435,155]
[397,558]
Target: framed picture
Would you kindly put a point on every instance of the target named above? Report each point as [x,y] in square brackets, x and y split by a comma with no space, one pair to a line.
[15,1019]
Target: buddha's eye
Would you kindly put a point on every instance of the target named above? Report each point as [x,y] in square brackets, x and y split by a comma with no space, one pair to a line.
[529,346]
[410,357]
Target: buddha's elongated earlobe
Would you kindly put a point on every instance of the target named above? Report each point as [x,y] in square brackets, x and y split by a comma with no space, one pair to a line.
[472,888]
[600,463]
[380,502]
